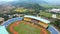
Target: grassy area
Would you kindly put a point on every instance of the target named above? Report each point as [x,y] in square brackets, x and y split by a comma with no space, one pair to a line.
[45,14]
[49,6]
[58,16]
[26,29]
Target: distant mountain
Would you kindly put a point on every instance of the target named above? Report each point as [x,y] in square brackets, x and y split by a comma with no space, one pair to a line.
[24,3]
[30,1]
[49,2]
[53,2]
[5,8]
[27,5]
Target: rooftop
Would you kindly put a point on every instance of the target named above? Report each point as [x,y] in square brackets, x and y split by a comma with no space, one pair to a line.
[38,18]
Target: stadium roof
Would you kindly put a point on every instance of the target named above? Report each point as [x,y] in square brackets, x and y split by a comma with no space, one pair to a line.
[38,18]
[3,30]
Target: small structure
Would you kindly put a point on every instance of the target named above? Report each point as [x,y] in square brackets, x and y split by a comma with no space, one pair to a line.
[1,20]
[54,16]
[18,15]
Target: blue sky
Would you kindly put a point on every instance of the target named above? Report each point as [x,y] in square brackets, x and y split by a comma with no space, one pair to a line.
[49,1]
[7,0]
[45,0]
[52,1]
[14,0]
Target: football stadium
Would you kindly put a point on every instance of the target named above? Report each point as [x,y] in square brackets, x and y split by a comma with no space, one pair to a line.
[27,25]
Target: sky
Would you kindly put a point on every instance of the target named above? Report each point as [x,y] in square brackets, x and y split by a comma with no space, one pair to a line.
[52,1]
[7,0]
[44,0]
[49,1]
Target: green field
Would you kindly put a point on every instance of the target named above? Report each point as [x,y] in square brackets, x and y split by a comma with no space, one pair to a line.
[49,6]
[45,14]
[26,29]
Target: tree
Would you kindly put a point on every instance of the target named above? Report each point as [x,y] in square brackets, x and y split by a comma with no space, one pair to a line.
[56,23]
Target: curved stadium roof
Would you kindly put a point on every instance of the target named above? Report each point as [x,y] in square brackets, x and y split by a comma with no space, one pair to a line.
[38,18]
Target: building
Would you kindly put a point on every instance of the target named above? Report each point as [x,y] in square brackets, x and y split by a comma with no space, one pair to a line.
[37,20]
[18,15]
[1,20]
[54,16]
[55,10]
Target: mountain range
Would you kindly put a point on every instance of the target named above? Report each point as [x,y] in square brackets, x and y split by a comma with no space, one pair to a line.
[26,1]
[48,2]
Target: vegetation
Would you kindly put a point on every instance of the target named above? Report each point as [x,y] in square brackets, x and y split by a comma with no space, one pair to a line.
[46,14]
[56,23]
[49,6]
[26,29]
[21,10]
[58,16]
[30,9]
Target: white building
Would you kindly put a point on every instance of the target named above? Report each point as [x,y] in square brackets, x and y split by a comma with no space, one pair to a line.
[54,16]
[55,10]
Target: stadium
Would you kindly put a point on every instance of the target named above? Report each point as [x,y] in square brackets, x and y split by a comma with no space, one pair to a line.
[27,25]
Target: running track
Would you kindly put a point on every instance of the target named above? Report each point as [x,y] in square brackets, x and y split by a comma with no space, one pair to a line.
[51,29]
[11,21]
